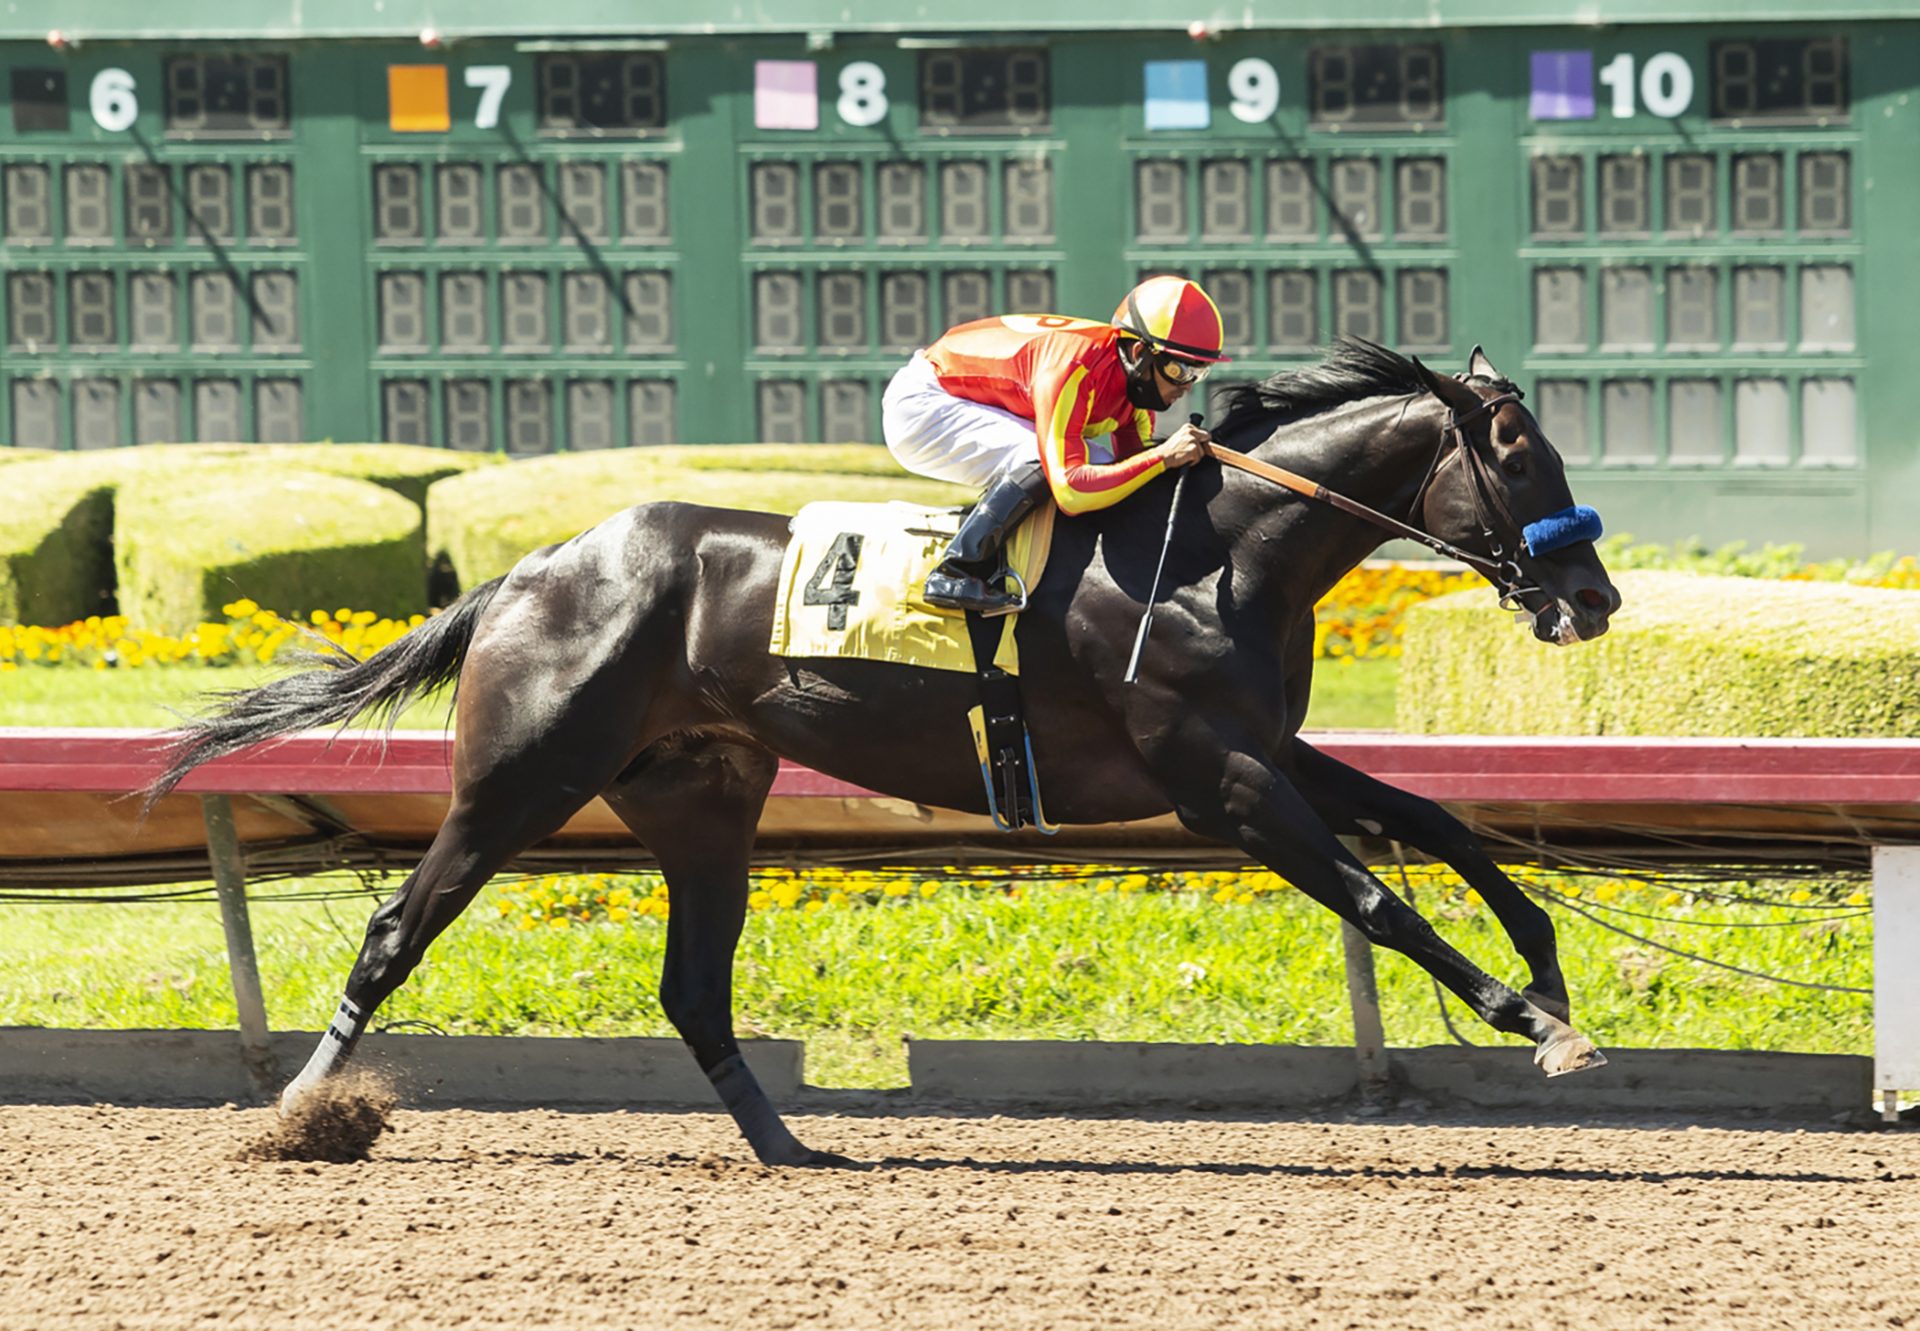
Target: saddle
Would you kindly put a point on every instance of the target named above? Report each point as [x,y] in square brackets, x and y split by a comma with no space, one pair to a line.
[850,588]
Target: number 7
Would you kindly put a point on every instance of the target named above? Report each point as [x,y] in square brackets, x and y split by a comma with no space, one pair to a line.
[493,80]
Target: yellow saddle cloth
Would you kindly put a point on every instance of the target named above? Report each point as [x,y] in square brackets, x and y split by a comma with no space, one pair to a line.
[851,581]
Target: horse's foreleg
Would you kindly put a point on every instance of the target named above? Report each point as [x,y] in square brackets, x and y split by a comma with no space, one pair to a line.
[1348,799]
[695,803]
[1232,793]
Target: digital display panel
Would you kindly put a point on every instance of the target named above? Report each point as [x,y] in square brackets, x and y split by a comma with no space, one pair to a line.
[39,98]
[1780,78]
[29,204]
[984,90]
[270,219]
[153,304]
[89,203]
[902,210]
[1376,86]
[30,312]
[209,203]
[226,94]
[149,204]
[601,92]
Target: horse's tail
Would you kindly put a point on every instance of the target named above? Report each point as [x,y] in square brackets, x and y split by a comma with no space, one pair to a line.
[339,689]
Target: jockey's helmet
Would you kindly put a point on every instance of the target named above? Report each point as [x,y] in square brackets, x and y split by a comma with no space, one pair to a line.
[1173,317]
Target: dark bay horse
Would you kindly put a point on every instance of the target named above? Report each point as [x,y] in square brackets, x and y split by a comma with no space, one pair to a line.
[632,663]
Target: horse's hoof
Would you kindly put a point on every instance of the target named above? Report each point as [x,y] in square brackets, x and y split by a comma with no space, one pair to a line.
[1568,1051]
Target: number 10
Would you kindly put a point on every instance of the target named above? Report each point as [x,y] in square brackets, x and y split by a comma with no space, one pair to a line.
[1666,85]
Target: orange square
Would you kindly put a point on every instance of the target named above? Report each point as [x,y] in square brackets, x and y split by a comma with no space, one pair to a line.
[417,99]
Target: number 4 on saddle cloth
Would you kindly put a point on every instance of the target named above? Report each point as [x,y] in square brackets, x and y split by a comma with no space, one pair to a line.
[850,586]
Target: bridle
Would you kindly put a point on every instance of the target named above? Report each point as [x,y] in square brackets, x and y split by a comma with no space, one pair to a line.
[1498,566]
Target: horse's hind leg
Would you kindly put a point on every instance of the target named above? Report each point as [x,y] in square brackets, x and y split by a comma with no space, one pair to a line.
[695,802]
[519,794]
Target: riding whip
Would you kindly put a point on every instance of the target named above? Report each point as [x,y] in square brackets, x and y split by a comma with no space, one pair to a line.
[1166,544]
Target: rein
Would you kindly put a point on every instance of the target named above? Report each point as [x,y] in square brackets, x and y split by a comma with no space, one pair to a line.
[1500,569]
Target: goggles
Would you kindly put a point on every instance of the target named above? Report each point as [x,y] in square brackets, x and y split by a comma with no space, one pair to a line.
[1184,373]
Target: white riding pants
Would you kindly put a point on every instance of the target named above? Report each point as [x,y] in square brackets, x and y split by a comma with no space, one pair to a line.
[931,432]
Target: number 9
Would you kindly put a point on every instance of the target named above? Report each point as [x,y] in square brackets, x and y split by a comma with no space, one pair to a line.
[1255,86]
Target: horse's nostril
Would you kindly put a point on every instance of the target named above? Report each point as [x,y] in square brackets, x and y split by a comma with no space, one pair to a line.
[1594,599]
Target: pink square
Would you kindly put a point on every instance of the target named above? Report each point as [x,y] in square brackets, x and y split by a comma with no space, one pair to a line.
[786,94]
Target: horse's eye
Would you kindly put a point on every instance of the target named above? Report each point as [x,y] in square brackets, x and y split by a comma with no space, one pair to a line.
[1514,466]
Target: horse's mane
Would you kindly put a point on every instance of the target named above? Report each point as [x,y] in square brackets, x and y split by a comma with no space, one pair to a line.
[1354,369]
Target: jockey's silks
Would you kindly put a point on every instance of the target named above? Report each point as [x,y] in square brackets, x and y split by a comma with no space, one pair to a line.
[1066,376]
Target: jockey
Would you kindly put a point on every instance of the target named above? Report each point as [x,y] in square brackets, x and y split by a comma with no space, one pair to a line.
[1031,405]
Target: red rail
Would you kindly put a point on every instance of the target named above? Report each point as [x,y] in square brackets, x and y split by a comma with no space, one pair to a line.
[1478,769]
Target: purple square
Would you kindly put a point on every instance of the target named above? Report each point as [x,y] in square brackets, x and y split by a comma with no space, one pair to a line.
[785,95]
[1562,86]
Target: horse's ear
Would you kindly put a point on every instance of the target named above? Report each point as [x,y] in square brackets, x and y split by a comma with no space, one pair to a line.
[1445,387]
[1479,367]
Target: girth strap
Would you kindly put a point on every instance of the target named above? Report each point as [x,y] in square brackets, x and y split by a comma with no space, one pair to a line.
[1000,737]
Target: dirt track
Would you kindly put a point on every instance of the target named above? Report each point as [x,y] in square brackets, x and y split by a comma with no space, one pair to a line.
[138,1218]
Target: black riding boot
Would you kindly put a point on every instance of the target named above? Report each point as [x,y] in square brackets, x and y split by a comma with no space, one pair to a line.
[972,575]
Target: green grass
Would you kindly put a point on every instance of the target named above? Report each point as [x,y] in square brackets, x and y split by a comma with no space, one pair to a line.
[149,696]
[1357,696]
[1060,963]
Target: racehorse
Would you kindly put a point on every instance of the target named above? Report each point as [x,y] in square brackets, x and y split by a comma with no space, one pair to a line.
[632,663]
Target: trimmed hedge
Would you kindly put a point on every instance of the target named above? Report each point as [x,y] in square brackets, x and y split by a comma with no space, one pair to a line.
[56,547]
[481,524]
[56,560]
[190,540]
[1687,655]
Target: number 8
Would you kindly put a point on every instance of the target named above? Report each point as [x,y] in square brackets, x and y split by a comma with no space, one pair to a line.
[1255,86]
[863,94]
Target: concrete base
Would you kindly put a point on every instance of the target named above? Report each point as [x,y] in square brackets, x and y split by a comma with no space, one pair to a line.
[1114,1075]
[1087,1073]
[40,1066]
[204,1067]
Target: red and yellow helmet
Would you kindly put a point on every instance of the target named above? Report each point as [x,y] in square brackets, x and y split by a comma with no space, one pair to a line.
[1173,317]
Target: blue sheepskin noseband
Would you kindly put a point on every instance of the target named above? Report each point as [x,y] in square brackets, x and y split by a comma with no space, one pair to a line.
[1578,523]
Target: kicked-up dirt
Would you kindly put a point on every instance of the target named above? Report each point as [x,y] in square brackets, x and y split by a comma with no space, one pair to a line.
[157,1218]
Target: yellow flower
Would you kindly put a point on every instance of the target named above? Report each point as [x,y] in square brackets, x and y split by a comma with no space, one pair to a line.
[558,922]
[617,914]
[928,888]
[239,609]
[759,900]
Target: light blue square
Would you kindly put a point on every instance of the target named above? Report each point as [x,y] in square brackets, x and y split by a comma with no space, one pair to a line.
[1177,94]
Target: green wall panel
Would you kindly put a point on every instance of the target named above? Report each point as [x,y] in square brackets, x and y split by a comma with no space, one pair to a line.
[618,249]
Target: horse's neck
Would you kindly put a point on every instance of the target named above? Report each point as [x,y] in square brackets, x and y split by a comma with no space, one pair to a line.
[1376,452]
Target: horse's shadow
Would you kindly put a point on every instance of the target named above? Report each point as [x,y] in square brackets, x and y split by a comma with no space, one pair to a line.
[1154,1168]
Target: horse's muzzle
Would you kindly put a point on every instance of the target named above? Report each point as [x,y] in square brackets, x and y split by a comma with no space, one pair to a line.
[1583,617]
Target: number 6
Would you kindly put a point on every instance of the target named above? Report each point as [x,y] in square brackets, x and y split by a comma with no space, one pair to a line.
[111,100]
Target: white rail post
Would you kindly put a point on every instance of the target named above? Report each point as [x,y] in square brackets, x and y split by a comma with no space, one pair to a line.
[230,877]
[1363,996]
[1896,977]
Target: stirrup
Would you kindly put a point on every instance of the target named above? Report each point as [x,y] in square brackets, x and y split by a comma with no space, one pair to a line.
[1013,608]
